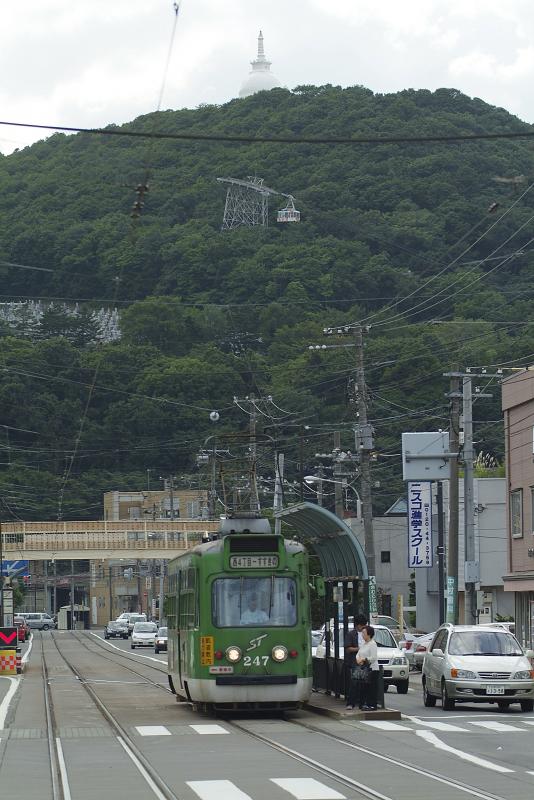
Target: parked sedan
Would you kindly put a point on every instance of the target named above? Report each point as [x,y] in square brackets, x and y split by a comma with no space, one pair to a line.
[116,629]
[144,634]
[421,646]
[161,640]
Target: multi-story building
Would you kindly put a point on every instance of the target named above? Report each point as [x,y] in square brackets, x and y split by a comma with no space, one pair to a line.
[518,408]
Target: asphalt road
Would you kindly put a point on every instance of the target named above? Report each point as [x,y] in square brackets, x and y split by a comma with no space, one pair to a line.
[474,751]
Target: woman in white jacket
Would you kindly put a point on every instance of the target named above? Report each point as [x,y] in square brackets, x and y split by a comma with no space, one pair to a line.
[367,655]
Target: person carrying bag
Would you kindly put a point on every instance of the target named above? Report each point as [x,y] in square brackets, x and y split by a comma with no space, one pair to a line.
[367,670]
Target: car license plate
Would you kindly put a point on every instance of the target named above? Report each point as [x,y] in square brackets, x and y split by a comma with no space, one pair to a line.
[494,689]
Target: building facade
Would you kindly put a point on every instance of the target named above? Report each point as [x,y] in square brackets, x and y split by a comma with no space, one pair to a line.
[518,408]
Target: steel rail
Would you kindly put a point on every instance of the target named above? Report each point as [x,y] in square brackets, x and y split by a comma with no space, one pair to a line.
[122,734]
[51,729]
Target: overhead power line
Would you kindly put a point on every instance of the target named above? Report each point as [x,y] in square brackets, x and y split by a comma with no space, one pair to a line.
[248,139]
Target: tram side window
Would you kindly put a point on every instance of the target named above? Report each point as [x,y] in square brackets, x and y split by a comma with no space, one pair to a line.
[188,599]
[242,602]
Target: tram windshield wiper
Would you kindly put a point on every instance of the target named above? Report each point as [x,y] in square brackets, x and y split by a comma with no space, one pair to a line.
[271,596]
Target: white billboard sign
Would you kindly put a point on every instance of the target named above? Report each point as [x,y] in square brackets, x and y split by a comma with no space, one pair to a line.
[419,524]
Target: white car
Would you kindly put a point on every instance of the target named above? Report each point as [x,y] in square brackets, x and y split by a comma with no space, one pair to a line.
[144,634]
[394,663]
[477,664]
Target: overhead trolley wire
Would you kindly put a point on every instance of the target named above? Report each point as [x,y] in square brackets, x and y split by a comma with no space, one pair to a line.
[248,139]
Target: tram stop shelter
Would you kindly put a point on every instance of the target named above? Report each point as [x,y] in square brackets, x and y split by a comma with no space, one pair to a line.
[344,569]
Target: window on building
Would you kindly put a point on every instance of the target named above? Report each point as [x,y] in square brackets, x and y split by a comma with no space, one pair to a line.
[532,508]
[385,556]
[516,513]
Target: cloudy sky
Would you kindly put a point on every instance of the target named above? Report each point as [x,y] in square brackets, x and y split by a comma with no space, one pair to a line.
[90,63]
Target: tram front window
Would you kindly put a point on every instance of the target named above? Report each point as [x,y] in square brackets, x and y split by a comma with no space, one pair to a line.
[246,602]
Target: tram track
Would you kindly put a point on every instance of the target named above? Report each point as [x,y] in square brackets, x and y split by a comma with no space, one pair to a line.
[362,790]
[58,770]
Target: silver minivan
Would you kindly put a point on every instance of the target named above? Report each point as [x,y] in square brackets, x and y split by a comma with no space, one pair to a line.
[477,664]
[38,620]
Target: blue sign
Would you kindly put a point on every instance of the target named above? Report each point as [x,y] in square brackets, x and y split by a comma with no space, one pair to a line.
[15,569]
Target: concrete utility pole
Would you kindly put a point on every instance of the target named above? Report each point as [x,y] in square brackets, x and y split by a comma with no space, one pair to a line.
[470,608]
[364,446]
[338,487]
[452,548]
[254,500]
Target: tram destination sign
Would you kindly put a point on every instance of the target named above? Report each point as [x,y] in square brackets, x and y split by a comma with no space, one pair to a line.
[253,562]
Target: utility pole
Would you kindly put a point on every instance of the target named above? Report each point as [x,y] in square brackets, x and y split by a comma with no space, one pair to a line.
[338,488]
[452,547]
[364,446]
[254,501]
[470,608]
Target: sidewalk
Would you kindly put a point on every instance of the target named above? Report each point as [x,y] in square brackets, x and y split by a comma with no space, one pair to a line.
[330,706]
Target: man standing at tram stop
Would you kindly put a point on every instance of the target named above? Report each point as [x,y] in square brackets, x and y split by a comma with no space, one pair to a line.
[353,641]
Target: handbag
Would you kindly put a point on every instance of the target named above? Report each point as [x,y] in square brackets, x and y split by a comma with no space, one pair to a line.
[361,673]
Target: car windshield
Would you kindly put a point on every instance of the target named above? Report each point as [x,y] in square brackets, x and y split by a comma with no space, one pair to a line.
[145,627]
[162,632]
[384,638]
[137,618]
[244,602]
[484,643]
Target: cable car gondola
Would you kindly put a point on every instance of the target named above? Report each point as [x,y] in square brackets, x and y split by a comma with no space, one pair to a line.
[289,213]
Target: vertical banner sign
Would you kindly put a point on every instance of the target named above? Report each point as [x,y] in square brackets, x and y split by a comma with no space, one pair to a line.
[451,599]
[419,524]
[373,604]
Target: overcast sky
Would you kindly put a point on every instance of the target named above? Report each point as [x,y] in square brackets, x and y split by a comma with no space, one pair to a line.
[91,63]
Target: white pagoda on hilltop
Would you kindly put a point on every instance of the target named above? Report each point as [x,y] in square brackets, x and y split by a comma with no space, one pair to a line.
[260,76]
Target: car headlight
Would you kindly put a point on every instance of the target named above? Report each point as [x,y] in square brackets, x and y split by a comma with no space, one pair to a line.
[463,674]
[399,661]
[279,653]
[524,675]
[233,654]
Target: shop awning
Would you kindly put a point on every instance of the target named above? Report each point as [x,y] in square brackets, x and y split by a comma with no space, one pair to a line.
[340,553]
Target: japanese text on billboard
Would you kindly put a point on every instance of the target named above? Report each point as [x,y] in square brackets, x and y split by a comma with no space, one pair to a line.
[419,524]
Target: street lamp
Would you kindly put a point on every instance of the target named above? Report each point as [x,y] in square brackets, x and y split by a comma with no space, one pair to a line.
[310,479]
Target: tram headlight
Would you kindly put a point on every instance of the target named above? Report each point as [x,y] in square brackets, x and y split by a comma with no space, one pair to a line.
[279,653]
[233,654]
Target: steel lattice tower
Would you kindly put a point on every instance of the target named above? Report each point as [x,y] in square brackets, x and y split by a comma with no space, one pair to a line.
[247,203]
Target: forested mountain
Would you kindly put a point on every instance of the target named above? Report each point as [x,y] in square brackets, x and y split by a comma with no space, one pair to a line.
[429,244]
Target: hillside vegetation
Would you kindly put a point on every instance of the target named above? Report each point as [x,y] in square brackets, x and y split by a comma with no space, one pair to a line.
[399,236]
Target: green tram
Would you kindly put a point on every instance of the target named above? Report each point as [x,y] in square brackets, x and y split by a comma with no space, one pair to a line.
[238,614]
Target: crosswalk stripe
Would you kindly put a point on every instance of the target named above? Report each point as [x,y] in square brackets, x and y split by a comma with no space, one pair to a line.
[441,726]
[498,727]
[307,789]
[153,730]
[217,790]
[385,726]
[203,729]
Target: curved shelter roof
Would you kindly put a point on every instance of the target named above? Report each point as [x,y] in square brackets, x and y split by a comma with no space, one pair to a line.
[337,546]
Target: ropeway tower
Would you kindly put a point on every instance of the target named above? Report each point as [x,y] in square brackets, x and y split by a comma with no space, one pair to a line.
[247,203]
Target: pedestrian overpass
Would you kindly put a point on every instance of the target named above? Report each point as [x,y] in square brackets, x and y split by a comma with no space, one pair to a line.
[104,539]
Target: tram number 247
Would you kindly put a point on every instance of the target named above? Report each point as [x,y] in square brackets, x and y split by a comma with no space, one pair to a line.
[257,661]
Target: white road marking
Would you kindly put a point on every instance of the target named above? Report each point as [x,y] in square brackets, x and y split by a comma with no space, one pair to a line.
[385,726]
[124,652]
[4,705]
[152,730]
[217,790]
[528,721]
[439,726]
[63,770]
[26,655]
[141,769]
[203,729]
[530,773]
[498,727]
[307,789]
[432,739]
